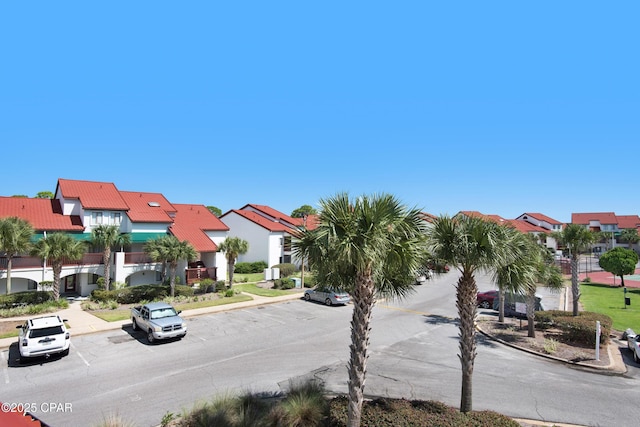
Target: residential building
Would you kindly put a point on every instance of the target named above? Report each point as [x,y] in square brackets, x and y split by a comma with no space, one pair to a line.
[611,225]
[80,206]
[267,231]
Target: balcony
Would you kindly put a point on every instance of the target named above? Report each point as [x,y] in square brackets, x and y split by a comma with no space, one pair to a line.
[195,275]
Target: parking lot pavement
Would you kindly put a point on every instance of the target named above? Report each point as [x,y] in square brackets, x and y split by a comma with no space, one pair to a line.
[81,322]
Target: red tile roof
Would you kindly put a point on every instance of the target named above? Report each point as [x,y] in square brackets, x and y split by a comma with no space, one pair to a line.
[476,214]
[542,217]
[526,227]
[277,215]
[628,221]
[92,195]
[602,217]
[43,214]
[191,222]
[261,221]
[148,207]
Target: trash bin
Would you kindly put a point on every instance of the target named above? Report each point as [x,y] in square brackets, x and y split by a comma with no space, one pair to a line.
[298,282]
[627,301]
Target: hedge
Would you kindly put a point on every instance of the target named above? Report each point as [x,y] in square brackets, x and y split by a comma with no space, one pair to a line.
[25,298]
[578,329]
[135,294]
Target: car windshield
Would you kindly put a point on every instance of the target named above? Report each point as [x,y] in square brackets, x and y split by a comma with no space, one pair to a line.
[164,312]
[44,332]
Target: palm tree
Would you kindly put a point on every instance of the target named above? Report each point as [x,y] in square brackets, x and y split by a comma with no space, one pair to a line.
[232,248]
[368,246]
[170,250]
[576,238]
[471,244]
[56,248]
[107,237]
[630,235]
[15,238]
[517,276]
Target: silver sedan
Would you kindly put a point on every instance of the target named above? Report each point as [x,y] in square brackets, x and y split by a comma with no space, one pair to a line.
[327,296]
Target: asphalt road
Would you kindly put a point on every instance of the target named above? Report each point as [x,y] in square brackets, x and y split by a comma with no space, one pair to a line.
[413,354]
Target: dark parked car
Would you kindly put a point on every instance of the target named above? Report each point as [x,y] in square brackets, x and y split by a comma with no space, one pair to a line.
[485,299]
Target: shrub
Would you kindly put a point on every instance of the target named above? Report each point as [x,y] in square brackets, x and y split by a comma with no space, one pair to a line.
[579,329]
[284,284]
[229,293]
[286,269]
[250,267]
[206,286]
[24,298]
[221,286]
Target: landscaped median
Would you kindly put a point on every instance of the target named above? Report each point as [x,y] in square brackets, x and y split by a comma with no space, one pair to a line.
[112,311]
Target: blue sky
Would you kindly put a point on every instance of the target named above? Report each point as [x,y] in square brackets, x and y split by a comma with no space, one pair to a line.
[502,107]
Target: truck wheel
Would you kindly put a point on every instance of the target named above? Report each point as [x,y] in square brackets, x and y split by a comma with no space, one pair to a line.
[134,325]
[150,337]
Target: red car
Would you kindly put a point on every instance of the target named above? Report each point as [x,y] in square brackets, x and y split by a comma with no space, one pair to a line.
[485,299]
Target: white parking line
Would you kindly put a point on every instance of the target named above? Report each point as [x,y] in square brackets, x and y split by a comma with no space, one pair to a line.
[80,355]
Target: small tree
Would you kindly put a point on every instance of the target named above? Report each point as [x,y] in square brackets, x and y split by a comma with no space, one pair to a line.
[630,235]
[15,238]
[56,248]
[619,261]
[576,238]
[302,211]
[108,237]
[232,248]
[170,250]
[215,210]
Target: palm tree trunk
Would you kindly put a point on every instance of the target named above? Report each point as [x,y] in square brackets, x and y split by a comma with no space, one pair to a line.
[363,302]
[466,291]
[9,263]
[230,268]
[106,258]
[57,268]
[501,305]
[172,280]
[575,284]
[531,306]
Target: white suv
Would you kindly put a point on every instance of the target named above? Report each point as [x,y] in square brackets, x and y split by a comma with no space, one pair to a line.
[43,336]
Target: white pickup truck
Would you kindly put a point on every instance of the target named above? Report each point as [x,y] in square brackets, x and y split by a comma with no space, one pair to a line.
[159,320]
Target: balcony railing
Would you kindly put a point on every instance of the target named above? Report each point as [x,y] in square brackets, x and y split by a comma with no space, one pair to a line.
[195,275]
[137,258]
[35,262]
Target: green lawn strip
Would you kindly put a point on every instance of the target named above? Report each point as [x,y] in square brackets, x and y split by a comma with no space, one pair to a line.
[252,288]
[248,278]
[10,334]
[124,314]
[608,300]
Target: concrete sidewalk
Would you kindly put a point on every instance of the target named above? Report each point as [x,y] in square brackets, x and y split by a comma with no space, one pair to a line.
[82,322]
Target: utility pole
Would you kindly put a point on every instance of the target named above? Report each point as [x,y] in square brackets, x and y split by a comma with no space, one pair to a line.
[304,228]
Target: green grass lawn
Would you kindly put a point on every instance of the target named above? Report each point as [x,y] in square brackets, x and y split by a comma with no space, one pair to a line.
[610,301]
[124,314]
[251,288]
[250,277]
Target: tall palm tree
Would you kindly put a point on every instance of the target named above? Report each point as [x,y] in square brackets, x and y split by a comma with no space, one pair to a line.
[368,246]
[56,248]
[517,276]
[576,238]
[108,237]
[471,244]
[170,250]
[15,238]
[232,248]
[630,235]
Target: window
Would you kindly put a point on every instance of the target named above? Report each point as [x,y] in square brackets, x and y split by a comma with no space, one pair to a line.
[96,218]
[117,217]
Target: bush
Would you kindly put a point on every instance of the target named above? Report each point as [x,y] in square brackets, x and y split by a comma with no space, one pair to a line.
[284,284]
[286,269]
[25,298]
[250,267]
[578,329]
